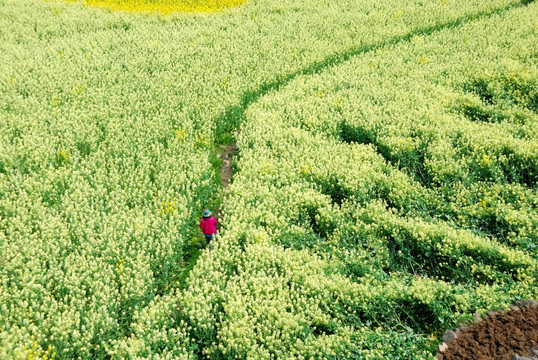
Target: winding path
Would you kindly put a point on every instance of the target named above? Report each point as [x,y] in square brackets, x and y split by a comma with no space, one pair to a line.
[228,124]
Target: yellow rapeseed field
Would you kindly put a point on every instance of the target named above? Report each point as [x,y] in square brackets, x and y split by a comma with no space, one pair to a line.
[382,188]
[164,6]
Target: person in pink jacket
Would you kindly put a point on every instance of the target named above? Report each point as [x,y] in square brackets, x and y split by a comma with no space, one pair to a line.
[208,225]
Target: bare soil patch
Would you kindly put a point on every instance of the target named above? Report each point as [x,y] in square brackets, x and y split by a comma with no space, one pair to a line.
[226,170]
[501,336]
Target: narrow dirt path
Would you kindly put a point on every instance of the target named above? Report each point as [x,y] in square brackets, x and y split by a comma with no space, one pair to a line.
[229,122]
[226,172]
[226,169]
[195,249]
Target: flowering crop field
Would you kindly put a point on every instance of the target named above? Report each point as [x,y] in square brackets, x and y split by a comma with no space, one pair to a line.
[386,186]
[163,6]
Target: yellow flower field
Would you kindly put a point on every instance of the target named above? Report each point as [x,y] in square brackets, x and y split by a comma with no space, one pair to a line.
[163,6]
[384,187]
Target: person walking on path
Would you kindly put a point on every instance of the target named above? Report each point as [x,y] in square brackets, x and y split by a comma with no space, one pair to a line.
[208,226]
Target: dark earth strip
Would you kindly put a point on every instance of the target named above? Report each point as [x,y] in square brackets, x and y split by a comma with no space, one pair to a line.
[504,335]
[226,173]
[226,170]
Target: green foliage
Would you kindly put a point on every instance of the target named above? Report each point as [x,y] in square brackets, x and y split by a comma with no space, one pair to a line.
[371,196]
[386,187]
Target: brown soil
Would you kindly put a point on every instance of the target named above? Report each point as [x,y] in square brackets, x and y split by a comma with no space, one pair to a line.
[499,337]
[226,170]
[226,173]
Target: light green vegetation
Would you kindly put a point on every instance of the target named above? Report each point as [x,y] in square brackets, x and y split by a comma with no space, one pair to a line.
[386,187]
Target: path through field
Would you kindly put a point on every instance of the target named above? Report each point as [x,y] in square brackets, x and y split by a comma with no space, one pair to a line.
[234,116]
[226,172]
[231,119]
[228,125]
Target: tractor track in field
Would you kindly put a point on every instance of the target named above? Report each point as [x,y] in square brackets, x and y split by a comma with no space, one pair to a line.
[226,172]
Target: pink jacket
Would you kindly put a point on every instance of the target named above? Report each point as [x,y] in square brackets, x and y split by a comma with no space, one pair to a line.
[208,225]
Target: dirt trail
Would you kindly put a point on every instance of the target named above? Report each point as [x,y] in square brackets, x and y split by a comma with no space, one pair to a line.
[226,173]
[226,169]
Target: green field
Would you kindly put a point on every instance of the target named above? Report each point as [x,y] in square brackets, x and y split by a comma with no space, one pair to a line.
[385,188]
